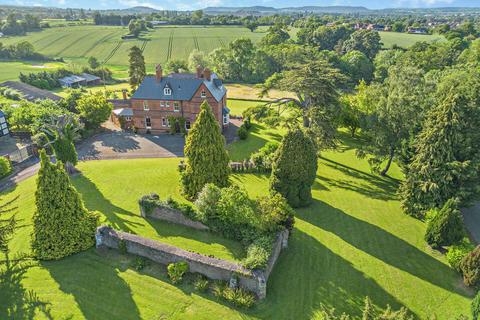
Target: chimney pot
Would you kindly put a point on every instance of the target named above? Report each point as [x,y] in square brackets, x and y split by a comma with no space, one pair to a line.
[207,74]
[199,71]
[158,73]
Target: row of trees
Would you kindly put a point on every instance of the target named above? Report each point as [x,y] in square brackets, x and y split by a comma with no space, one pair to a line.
[23,50]
[13,26]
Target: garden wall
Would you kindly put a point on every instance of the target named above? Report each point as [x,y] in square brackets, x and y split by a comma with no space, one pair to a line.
[213,268]
[172,215]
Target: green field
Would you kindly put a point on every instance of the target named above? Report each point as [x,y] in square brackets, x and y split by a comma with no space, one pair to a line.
[353,241]
[406,40]
[77,43]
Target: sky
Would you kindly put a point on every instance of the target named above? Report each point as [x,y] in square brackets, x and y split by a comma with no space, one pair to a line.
[198,4]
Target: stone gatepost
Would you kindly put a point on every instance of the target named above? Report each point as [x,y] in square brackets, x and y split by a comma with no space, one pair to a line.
[262,286]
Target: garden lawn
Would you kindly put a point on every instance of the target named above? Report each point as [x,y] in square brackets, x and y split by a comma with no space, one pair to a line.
[406,40]
[352,242]
[10,70]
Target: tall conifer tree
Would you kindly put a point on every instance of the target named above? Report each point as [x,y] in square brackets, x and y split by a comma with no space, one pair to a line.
[206,157]
[61,223]
[294,168]
[136,70]
[447,158]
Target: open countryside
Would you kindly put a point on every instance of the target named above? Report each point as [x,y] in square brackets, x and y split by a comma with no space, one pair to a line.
[250,163]
[76,43]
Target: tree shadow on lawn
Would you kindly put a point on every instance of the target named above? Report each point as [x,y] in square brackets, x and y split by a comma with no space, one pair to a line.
[166,229]
[382,245]
[309,277]
[242,149]
[370,185]
[92,278]
[94,200]
[16,302]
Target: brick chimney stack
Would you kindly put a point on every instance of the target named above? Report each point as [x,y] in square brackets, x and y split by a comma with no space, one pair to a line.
[158,73]
[199,72]
[124,92]
[207,74]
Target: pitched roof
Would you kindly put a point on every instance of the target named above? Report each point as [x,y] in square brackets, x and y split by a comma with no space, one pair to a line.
[89,77]
[124,112]
[182,85]
[2,114]
[72,79]
[29,92]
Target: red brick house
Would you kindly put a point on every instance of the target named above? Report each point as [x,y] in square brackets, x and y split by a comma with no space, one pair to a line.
[178,94]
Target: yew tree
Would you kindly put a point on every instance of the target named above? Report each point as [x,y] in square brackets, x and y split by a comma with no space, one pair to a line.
[206,157]
[294,168]
[61,223]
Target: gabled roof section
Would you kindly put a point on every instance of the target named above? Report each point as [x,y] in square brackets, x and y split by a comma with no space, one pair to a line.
[183,87]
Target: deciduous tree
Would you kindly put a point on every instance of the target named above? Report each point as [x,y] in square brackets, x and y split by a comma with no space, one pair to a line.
[94,109]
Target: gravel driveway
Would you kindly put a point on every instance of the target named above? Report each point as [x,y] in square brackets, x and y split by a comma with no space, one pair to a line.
[125,145]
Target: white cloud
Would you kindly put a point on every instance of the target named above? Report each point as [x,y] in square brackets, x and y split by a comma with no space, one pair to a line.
[422,3]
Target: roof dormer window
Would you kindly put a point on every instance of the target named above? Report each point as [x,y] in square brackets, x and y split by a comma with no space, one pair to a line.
[167,91]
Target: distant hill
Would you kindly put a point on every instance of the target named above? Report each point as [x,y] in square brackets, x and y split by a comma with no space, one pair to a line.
[139,10]
[269,10]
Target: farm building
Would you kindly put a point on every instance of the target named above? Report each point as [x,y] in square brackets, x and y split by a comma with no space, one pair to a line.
[29,92]
[417,31]
[76,81]
[180,95]
[3,125]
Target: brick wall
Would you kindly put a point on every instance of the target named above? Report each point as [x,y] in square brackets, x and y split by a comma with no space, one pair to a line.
[188,109]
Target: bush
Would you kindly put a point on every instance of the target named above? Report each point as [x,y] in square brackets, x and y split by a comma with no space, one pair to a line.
[456,253]
[140,263]
[177,270]
[201,283]
[242,132]
[238,296]
[5,167]
[263,158]
[276,213]
[470,267]
[446,228]
[475,307]
[247,123]
[207,201]
[258,253]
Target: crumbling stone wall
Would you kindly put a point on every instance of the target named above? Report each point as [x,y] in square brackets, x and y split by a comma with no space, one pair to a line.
[172,215]
[213,268]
